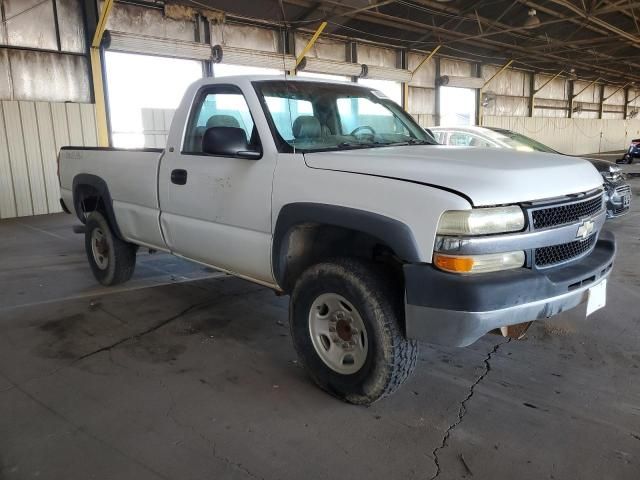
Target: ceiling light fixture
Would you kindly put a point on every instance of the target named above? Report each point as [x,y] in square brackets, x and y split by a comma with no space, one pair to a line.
[532,20]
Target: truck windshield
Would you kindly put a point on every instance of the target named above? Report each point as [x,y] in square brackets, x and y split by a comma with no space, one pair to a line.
[314,116]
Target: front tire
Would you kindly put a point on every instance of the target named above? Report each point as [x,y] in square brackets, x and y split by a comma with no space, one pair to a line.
[112,260]
[345,319]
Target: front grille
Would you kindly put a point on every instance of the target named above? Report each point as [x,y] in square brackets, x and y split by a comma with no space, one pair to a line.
[565,213]
[623,190]
[547,256]
[619,210]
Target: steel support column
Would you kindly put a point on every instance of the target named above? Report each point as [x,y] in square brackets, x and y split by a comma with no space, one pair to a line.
[96,73]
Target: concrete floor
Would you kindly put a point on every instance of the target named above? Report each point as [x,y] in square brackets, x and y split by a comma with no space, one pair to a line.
[193,376]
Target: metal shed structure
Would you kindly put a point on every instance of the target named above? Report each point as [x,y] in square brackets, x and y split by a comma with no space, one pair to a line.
[561,71]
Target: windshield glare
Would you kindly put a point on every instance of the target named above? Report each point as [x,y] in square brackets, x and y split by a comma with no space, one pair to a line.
[313,116]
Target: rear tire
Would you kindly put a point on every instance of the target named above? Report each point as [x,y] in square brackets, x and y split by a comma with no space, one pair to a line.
[112,260]
[346,324]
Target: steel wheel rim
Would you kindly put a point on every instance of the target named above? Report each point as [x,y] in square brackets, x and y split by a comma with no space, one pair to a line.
[99,248]
[338,333]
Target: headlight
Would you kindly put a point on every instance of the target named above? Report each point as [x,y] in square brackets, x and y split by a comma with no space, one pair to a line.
[613,175]
[481,221]
[478,263]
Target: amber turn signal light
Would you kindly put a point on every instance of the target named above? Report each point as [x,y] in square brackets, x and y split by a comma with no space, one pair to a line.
[450,263]
[492,262]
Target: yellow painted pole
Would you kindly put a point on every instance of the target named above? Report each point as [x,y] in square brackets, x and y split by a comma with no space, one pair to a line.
[425,60]
[405,96]
[502,69]
[312,41]
[406,84]
[547,82]
[535,92]
[592,83]
[96,74]
[633,99]
[616,91]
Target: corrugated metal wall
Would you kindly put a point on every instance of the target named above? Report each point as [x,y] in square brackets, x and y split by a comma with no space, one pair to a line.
[572,135]
[422,87]
[36,63]
[31,134]
[155,126]
[506,93]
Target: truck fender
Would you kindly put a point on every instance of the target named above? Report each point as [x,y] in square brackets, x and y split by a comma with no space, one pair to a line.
[393,233]
[100,187]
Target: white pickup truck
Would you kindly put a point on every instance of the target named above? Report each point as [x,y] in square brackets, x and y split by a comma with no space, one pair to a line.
[331,193]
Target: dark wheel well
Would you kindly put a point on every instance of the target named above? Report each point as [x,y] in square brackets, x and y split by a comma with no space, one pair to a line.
[90,193]
[310,243]
[307,233]
[87,199]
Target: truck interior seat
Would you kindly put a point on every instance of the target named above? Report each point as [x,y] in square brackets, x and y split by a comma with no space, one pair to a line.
[306,126]
[214,121]
[222,121]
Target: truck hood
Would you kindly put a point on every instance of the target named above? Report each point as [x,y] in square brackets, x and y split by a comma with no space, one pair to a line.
[601,165]
[486,176]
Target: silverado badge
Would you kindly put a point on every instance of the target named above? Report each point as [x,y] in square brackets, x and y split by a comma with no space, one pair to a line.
[585,229]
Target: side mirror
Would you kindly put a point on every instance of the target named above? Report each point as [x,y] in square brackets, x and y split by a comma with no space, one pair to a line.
[228,142]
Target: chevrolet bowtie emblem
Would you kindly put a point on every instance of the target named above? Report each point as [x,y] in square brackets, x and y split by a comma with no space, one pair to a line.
[585,229]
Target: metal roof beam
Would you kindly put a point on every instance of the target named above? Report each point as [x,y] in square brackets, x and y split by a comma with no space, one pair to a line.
[405,25]
[592,18]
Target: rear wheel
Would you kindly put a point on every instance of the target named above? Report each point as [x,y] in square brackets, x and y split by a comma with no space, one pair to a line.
[112,260]
[345,319]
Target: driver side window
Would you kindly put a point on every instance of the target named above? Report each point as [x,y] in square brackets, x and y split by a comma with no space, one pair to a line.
[219,106]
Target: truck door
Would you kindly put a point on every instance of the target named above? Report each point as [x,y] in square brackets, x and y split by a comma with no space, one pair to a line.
[216,206]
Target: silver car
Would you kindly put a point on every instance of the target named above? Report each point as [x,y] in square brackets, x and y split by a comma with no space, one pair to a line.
[617,191]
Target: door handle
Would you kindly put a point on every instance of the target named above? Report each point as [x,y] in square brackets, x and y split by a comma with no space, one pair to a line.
[179,176]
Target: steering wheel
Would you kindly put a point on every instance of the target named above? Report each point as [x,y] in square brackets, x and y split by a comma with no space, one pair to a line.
[363,127]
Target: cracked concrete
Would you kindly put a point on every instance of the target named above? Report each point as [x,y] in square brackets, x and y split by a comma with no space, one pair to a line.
[163,323]
[191,380]
[212,443]
[462,409]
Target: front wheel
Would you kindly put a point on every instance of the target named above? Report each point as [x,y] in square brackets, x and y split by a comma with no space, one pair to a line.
[112,260]
[345,319]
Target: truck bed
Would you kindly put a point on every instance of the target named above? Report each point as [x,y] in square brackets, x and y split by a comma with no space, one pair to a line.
[131,176]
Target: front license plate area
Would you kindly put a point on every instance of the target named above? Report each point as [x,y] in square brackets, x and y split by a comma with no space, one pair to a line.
[597,297]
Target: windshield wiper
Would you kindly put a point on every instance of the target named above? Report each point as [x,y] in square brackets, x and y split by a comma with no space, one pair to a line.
[347,145]
[374,144]
[411,141]
[357,145]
